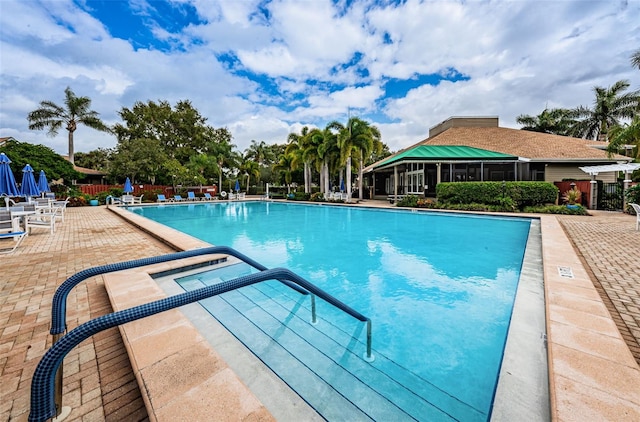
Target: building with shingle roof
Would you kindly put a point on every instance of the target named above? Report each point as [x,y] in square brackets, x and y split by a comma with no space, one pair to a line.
[477,149]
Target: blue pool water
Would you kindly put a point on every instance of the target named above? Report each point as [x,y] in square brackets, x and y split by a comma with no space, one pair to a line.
[439,289]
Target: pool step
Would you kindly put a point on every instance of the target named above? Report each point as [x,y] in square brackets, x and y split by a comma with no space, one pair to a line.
[326,364]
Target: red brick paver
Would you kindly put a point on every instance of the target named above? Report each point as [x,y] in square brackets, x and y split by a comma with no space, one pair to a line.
[610,248]
[98,380]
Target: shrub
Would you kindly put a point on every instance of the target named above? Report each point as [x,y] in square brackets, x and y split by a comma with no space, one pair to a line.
[494,193]
[408,201]
[557,209]
[317,197]
[633,194]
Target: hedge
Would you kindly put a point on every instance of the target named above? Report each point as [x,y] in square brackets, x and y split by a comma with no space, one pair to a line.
[496,193]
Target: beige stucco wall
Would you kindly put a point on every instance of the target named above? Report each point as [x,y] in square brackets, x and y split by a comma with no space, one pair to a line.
[558,172]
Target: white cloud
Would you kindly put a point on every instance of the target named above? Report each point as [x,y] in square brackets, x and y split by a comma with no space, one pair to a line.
[520,57]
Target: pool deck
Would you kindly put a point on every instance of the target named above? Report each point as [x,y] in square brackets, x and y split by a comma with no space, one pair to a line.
[593,319]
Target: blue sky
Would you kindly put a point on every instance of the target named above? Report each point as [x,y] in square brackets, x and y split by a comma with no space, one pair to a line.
[264,68]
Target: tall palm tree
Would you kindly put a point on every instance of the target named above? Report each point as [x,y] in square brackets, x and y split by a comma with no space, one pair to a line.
[635,59]
[296,145]
[250,167]
[286,167]
[611,105]
[557,121]
[76,111]
[357,136]
[628,134]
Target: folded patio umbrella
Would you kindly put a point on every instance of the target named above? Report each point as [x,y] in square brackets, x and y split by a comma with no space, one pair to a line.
[7,181]
[237,186]
[127,186]
[43,184]
[29,187]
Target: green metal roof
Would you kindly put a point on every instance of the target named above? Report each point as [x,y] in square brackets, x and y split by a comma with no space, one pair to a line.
[447,152]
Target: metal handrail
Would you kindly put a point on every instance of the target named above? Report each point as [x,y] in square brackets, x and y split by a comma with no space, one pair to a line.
[59,303]
[43,404]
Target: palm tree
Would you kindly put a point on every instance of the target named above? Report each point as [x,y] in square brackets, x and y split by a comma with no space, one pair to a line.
[297,145]
[52,116]
[250,167]
[610,106]
[286,167]
[357,136]
[628,134]
[635,59]
[557,121]
[260,152]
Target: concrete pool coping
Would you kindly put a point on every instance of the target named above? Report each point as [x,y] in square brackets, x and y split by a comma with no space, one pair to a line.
[592,373]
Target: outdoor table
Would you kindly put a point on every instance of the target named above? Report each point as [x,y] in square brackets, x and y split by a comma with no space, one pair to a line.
[16,216]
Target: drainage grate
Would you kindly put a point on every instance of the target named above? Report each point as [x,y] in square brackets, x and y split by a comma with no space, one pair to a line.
[565,272]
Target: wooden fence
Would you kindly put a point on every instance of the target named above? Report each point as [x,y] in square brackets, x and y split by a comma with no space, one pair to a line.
[140,189]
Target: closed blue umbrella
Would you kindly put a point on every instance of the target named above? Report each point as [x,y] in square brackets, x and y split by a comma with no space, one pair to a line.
[29,186]
[237,186]
[127,186]
[341,185]
[43,184]
[7,181]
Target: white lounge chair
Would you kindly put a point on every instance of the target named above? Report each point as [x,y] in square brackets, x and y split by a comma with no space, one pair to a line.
[15,238]
[636,208]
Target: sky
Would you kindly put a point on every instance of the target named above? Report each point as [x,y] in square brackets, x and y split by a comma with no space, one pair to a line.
[264,69]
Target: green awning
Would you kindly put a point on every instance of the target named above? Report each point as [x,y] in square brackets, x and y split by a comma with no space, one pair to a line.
[447,153]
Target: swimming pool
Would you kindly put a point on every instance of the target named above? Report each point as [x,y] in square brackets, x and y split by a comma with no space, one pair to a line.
[439,289]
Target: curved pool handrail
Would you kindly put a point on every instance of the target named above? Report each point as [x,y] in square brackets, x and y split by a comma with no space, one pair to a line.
[59,303]
[43,405]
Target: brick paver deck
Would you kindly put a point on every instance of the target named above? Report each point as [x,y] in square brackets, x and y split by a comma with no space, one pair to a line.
[98,381]
[610,248]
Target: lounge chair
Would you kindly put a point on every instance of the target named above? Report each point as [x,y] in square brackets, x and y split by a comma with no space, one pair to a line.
[192,196]
[636,208]
[161,198]
[178,198]
[208,197]
[232,196]
[15,238]
[241,195]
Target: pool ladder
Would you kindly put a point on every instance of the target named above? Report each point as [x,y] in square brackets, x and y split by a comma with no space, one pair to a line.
[46,385]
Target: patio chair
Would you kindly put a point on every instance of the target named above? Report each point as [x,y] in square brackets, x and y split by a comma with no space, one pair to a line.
[7,223]
[192,196]
[161,198]
[208,197]
[41,220]
[636,208]
[15,238]
[127,199]
[178,198]
[241,195]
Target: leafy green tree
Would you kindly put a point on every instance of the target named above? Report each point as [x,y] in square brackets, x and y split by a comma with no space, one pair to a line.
[141,159]
[557,121]
[98,159]
[203,166]
[181,131]
[76,111]
[41,158]
[611,106]
[178,173]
